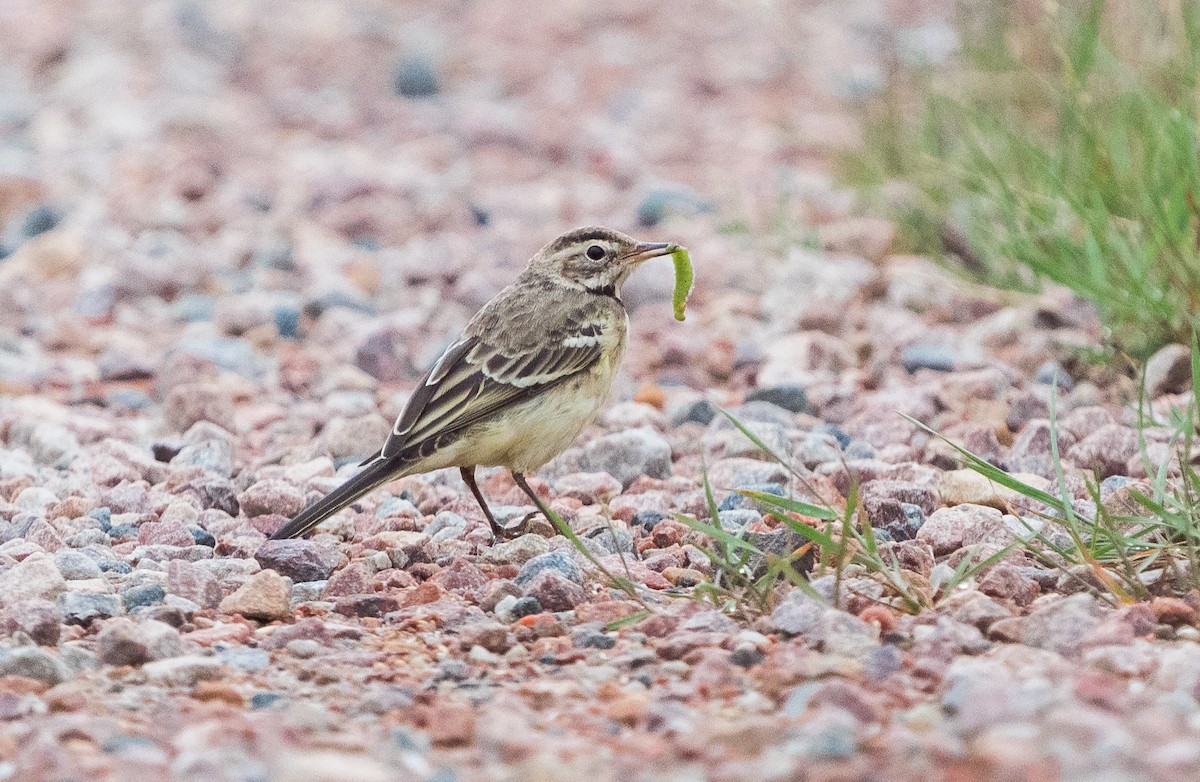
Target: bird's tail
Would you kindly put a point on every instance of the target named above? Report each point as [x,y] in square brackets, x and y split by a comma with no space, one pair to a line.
[377,472]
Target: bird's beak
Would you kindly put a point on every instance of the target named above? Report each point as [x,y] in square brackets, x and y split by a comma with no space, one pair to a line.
[644,251]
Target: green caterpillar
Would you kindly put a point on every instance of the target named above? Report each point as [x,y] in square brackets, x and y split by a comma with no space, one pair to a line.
[683,279]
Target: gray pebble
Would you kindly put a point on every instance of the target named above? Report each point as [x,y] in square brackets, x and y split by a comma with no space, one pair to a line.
[80,608]
[75,565]
[34,663]
[559,561]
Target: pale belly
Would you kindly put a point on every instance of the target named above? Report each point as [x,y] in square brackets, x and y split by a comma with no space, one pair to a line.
[533,432]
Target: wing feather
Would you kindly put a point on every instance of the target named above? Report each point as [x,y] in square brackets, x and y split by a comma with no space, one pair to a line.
[474,379]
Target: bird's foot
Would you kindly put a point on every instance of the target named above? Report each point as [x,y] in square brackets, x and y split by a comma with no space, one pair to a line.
[515,531]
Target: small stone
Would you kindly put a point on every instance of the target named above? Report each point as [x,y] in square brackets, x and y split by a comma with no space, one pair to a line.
[415,78]
[183,671]
[189,403]
[460,576]
[354,579]
[949,529]
[1172,611]
[264,596]
[517,551]
[797,614]
[272,496]
[366,605]
[82,608]
[34,663]
[789,397]
[938,358]
[193,582]
[1107,449]
[36,576]
[215,454]
[165,533]
[700,411]
[558,561]
[298,559]
[142,595]
[124,642]
[75,565]
[1061,626]
[629,455]
[1052,373]
[304,648]
[961,487]
[588,487]
[35,499]
[595,641]
[737,519]
[1169,371]
[1008,583]
[488,634]
[450,724]
[553,590]
[445,526]
[39,619]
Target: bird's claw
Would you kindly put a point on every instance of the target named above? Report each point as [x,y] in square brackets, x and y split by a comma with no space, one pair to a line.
[515,531]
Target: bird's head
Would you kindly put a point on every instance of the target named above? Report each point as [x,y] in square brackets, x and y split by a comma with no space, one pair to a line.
[595,259]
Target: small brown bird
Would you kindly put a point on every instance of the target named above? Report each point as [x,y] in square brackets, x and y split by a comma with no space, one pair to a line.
[527,374]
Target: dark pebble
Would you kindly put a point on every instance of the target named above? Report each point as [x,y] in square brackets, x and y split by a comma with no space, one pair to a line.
[39,220]
[746,657]
[414,78]
[790,398]
[646,519]
[287,321]
[80,608]
[734,501]
[202,536]
[142,595]
[656,205]
[701,411]
[171,615]
[1052,373]
[526,606]
[166,451]
[859,449]
[366,605]
[102,515]
[115,566]
[122,533]
[558,561]
[596,641]
[454,670]
[835,430]
[922,356]
[264,700]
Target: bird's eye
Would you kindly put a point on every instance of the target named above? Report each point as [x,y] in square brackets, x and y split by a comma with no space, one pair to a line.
[595,252]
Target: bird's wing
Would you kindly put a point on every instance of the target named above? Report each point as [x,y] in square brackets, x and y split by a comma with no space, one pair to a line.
[486,371]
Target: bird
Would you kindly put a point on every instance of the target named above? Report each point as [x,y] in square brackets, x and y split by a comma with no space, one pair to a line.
[524,377]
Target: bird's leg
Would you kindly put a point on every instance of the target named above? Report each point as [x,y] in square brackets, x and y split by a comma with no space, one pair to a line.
[541,505]
[498,532]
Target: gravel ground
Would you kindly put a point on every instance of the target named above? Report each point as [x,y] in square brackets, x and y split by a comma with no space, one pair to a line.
[234,234]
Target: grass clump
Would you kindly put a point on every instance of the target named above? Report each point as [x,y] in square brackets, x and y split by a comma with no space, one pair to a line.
[836,543]
[1122,552]
[1062,146]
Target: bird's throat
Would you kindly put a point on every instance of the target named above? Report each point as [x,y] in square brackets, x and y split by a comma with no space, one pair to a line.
[609,289]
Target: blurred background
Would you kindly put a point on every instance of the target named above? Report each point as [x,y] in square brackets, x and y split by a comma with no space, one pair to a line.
[214,177]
